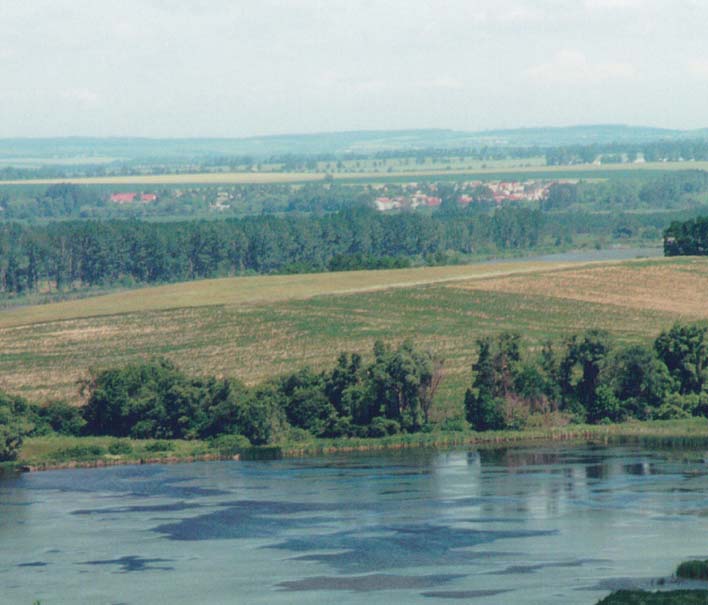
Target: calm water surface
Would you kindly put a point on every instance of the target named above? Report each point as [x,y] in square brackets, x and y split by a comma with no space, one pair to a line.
[542,525]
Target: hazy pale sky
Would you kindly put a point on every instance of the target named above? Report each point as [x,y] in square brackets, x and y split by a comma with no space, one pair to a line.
[240,68]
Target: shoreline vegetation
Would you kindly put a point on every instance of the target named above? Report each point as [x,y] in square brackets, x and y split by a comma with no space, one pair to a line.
[690,577]
[587,388]
[57,452]
[685,596]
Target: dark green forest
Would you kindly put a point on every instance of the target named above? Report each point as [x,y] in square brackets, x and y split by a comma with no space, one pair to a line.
[77,254]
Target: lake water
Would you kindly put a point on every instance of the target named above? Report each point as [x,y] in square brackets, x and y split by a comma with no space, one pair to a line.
[587,254]
[550,524]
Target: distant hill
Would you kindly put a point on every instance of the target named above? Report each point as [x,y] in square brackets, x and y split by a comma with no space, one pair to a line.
[51,150]
[584,135]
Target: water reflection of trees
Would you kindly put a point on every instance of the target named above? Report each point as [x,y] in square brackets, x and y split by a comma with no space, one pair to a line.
[14,505]
[545,481]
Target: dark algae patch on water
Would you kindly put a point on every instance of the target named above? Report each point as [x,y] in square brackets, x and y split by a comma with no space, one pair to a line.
[497,525]
[133,563]
[367,583]
[462,594]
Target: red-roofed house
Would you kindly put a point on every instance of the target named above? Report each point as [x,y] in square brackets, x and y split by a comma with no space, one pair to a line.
[129,197]
[123,198]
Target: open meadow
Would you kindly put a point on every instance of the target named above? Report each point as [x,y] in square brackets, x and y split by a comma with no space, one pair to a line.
[256,327]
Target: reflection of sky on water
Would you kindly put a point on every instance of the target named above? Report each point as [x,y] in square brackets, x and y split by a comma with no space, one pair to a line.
[554,524]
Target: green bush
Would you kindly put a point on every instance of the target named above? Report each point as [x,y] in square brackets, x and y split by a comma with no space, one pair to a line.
[296,435]
[605,406]
[143,429]
[337,427]
[80,452]
[10,442]
[159,446]
[261,418]
[62,418]
[229,445]
[455,425]
[383,427]
[669,411]
[156,400]
[120,447]
[693,570]
[484,412]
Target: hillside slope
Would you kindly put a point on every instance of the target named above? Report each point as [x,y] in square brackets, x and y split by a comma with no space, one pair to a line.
[253,328]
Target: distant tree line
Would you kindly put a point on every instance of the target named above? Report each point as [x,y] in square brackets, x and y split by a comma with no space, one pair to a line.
[62,255]
[590,378]
[666,191]
[557,155]
[66,200]
[653,151]
[284,162]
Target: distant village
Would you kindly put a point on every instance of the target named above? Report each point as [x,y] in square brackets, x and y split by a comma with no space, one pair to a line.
[131,198]
[386,197]
[219,201]
[412,195]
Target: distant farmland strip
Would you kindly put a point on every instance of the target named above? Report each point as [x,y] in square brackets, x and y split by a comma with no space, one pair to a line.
[224,178]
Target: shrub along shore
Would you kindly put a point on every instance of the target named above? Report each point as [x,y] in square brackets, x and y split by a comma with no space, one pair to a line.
[687,594]
[587,387]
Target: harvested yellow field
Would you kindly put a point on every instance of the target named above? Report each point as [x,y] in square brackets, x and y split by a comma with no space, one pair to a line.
[677,289]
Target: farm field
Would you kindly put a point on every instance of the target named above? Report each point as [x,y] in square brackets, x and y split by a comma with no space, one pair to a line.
[262,289]
[254,328]
[270,177]
[429,163]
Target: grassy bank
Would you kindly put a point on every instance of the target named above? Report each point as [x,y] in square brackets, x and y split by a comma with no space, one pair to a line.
[672,597]
[42,453]
[56,451]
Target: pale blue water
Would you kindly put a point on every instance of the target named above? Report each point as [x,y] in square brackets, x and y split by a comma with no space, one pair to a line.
[588,254]
[542,525]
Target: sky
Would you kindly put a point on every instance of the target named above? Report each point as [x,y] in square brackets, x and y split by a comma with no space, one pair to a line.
[233,68]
